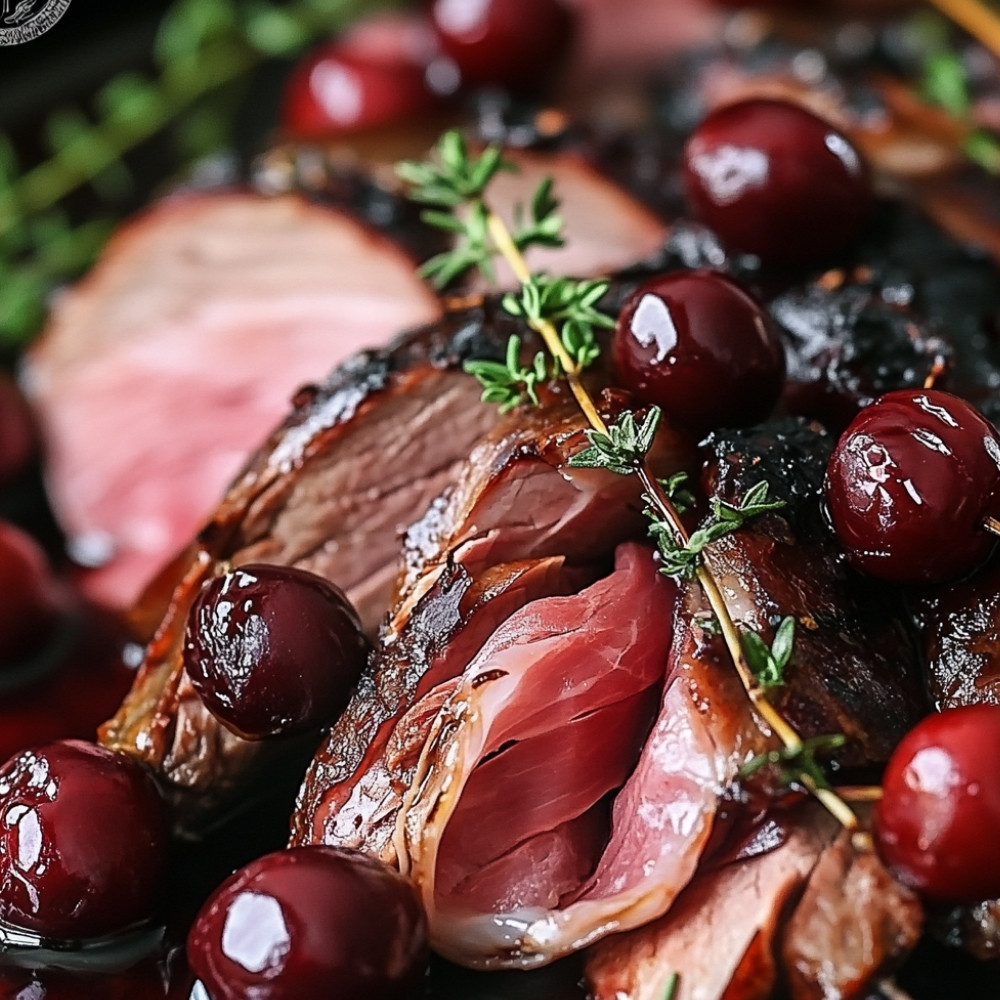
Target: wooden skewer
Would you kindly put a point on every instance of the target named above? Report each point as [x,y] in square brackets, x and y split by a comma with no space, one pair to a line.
[976,18]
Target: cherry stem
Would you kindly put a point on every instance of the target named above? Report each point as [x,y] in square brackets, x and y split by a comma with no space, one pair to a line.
[992,525]
[772,718]
[976,18]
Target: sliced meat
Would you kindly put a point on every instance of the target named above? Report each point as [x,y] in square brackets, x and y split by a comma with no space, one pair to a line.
[354,788]
[523,828]
[854,924]
[720,938]
[332,490]
[605,228]
[181,350]
[517,525]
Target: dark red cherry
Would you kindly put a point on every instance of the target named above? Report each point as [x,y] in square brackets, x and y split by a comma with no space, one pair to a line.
[938,823]
[516,44]
[32,602]
[775,180]
[700,346]
[83,841]
[18,434]
[273,650]
[343,88]
[311,922]
[910,483]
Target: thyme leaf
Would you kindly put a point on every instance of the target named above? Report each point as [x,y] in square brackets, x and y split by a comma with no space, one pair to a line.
[508,383]
[623,449]
[768,664]
[568,304]
[672,983]
[794,763]
[684,560]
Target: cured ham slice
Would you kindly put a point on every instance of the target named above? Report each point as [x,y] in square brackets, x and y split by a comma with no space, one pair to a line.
[545,726]
[203,317]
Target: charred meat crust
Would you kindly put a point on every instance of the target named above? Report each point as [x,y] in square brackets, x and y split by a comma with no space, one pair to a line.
[855,669]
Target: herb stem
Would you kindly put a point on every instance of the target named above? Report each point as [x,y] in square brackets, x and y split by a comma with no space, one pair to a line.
[781,728]
[505,245]
[731,636]
[976,18]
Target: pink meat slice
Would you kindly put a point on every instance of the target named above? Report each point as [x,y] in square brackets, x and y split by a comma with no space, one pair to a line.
[181,350]
[545,812]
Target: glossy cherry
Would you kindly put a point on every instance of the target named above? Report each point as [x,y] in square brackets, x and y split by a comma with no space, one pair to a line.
[18,434]
[910,483]
[341,88]
[273,650]
[32,602]
[516,44]
[311,922]
[700,346]
[83,841]
[775,180]
[938,823]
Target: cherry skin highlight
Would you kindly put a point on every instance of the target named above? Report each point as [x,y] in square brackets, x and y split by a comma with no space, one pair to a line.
[273,651]
[910,484]
[83,841]
[338,90]
[937,826]
[311,922]
[698,345]
[516,44]
[775,180]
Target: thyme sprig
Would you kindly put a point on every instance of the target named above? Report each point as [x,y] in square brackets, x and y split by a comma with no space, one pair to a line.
[768,663]
[623,447]
[798,765]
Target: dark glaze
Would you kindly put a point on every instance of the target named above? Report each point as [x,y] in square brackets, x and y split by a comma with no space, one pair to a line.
[959,627]
[854,670]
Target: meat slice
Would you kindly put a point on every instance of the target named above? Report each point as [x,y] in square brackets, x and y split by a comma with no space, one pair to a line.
[516,525]
[521,827]
[181,350]
[332,490]
[959,627]
[354,788]
[854,924]
[739,909]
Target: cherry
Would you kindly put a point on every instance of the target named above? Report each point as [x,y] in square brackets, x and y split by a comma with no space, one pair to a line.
[516,44]
[344,88]
[83,841]
[33,603]
[701,347]
[311,922]
[273,650]
[18,434]
[773,179]
[938,823]
[909,485]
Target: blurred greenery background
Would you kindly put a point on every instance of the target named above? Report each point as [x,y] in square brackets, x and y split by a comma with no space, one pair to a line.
[115,100]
